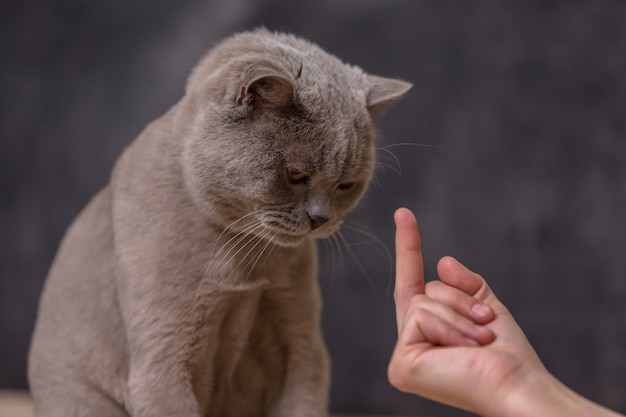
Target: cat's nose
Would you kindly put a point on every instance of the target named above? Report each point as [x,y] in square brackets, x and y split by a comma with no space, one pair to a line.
[317,220]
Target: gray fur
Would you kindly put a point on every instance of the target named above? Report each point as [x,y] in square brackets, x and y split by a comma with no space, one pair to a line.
[187,287]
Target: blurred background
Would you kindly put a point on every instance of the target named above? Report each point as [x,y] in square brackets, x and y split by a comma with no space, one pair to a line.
[510,148]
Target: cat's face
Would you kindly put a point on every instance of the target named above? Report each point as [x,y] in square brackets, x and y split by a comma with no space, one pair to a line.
[305,175]
[286,154]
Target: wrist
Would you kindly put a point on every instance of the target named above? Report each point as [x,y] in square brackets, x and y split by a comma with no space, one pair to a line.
[539,393]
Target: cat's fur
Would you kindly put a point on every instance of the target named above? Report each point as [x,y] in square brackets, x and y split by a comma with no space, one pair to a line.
[187,287]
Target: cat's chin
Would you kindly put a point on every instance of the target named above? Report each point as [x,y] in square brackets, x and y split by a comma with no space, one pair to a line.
[291,240]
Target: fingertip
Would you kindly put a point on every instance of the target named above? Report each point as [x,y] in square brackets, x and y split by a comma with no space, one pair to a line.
[399,211]
[457,275]
[407,232]
[451,264]
[484,335]
[482,313]
[403,215]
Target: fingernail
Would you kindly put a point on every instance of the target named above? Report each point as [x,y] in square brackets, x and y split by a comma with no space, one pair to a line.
[480,309]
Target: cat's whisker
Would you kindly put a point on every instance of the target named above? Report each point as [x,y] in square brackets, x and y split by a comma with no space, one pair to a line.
[391,167]
[335,240]
[384,152]
[361,243]
[389,153]
[228,229]
[326,255]
[375,180]
[268,242]
[252,237]
[417,145]
[356,261]
[339,248]
[374,239]
[258,239]
[228,247]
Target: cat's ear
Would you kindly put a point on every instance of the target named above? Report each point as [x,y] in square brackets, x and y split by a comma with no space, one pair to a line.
[383,92]
[267,92]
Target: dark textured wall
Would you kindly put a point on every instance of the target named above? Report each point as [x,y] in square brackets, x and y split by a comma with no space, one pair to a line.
[521,106]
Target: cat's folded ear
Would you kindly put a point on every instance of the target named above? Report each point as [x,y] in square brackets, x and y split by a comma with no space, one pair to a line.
[383,92]
[267,92]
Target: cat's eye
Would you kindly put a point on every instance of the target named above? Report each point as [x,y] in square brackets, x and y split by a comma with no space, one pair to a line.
[344,186]
[296,176]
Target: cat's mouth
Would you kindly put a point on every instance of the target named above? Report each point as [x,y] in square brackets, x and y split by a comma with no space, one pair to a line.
[286,229]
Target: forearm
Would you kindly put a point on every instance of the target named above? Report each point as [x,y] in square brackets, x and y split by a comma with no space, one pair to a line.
[539,393]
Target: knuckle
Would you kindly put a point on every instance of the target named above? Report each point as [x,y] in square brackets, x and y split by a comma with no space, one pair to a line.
[397,374]
[417,302]
[433,287]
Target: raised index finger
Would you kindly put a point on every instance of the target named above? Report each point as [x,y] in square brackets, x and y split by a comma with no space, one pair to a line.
[409,263]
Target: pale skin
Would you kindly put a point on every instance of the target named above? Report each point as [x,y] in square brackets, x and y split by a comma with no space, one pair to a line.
[459,345]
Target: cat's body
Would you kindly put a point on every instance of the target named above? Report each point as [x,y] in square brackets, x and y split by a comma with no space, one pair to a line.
[187,287]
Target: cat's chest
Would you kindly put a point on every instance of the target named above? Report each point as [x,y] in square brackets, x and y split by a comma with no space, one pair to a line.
[252,345]
[258,308]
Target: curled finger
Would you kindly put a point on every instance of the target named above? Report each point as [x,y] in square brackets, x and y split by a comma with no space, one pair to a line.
[438,324]
[461,302]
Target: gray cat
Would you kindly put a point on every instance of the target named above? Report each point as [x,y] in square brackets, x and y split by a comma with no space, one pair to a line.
[187,287]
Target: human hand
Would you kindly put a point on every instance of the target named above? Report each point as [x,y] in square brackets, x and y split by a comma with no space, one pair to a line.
[457,344]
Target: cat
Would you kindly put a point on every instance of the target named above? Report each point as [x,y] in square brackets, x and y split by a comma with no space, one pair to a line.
[187,286]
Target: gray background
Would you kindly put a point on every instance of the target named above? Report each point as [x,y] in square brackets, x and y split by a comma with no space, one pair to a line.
[522,106]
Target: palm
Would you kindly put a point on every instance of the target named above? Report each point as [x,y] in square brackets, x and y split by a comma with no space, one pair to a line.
[492,366]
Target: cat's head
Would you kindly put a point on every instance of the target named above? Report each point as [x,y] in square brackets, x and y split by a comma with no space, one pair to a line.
[278,136]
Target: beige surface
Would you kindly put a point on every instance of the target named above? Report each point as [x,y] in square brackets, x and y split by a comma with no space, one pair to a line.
[17,404]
